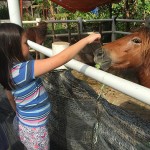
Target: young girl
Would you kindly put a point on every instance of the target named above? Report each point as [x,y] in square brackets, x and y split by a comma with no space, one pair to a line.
[24,89]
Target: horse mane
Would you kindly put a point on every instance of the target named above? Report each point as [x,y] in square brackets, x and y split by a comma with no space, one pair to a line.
[145,34]
[144,72]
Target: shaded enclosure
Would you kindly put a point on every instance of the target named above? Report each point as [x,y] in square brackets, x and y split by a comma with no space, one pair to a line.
[80,120]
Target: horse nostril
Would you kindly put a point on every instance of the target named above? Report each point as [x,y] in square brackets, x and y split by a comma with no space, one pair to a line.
[100,54]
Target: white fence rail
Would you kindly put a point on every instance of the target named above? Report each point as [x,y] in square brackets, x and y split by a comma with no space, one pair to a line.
[132,89]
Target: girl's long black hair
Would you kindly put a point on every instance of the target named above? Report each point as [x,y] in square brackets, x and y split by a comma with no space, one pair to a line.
[10,51]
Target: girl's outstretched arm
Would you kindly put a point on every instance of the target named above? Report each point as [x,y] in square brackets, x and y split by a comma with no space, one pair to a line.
[45,65]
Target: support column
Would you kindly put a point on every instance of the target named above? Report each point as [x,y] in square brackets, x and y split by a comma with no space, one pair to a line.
[14,12]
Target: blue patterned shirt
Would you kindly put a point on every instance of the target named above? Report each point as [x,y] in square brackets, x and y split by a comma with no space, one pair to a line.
[32,101]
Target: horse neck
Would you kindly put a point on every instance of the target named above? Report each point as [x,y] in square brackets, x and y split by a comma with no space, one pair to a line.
[144,76]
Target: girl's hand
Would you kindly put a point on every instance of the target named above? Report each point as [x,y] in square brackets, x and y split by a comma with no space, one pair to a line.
[93,37]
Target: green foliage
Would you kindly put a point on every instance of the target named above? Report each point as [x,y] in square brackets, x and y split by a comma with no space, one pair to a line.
[87,15]
[98,66]
[4,14]
[38,1]
[138,9]
[61,16]
[144,7]
[27,16]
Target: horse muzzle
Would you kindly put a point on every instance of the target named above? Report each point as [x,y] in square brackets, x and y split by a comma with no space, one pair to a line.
[102,59]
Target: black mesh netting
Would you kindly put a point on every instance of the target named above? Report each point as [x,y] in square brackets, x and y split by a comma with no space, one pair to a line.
[80,121]
[8,139]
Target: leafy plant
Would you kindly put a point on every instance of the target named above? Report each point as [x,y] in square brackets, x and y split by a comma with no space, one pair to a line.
[4,14]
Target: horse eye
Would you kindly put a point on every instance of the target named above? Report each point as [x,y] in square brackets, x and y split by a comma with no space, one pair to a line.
[136,40]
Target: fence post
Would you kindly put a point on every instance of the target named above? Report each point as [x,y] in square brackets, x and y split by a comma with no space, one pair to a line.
[53,31]
[69,33]
[147,21]
[113,36]
[38,20]
[80,27]
[14,11]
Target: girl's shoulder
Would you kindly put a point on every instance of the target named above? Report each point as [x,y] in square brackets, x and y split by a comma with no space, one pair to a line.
[23,66]
[23,63]
[23,72]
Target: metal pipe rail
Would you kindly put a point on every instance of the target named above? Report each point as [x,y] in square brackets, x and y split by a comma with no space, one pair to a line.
[98,20]
[132,89]
[75,34]
[80,22]
[130,20]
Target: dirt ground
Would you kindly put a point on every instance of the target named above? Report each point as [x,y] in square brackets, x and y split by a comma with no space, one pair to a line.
[117,98]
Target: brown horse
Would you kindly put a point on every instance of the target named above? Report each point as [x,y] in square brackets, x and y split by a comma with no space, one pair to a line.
[131,51]
[37,34]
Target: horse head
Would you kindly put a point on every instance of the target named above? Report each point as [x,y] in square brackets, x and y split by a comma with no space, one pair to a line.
[130,51]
